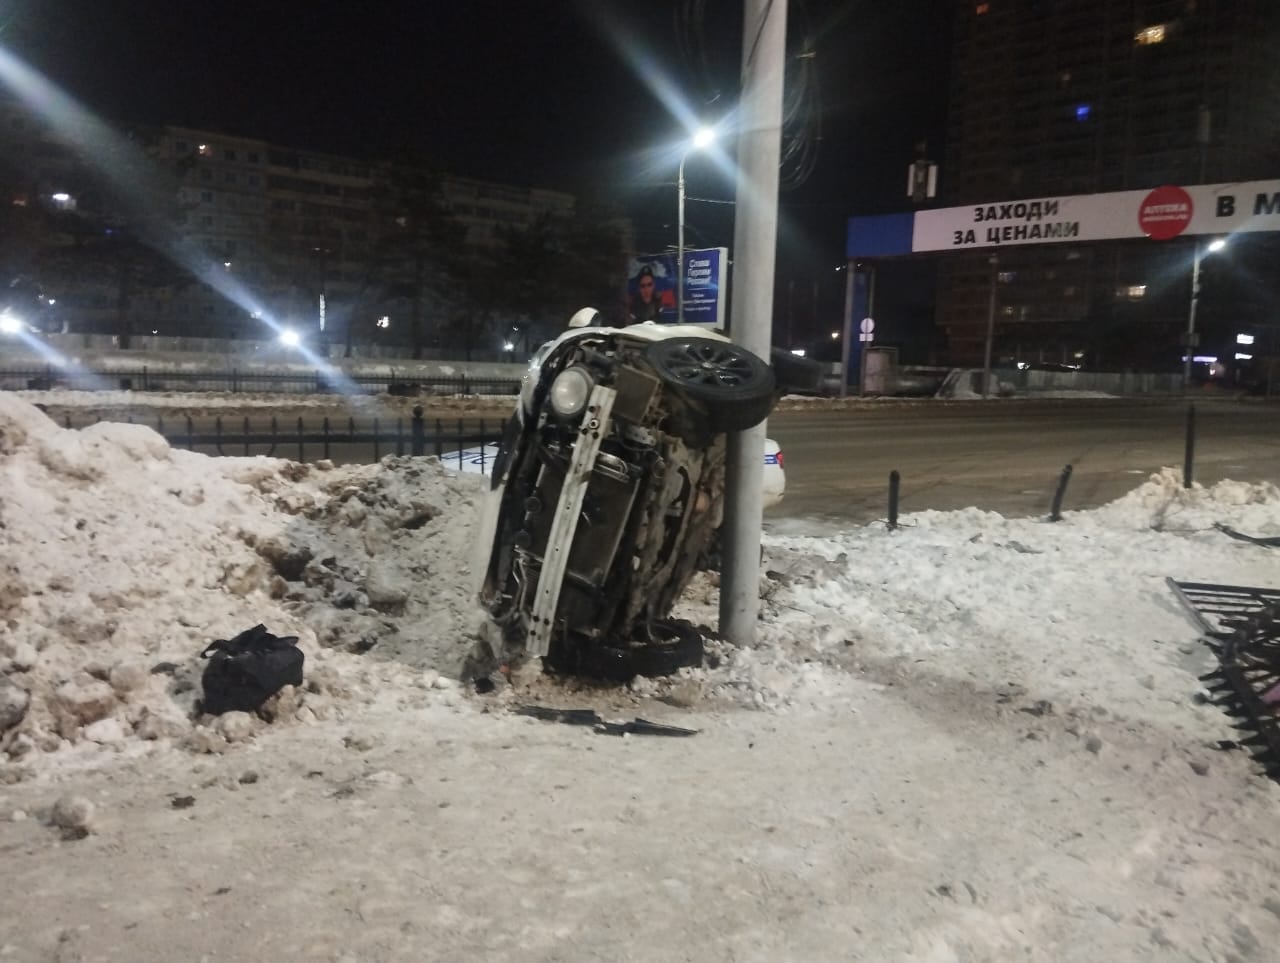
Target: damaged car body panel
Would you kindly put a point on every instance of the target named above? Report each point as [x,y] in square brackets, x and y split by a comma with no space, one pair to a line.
[608,488]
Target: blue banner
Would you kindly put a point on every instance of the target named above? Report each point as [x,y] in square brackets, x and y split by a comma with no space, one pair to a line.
[652,288]
[853,350]
[703,294]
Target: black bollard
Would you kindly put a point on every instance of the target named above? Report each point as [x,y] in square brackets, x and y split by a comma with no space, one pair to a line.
[894,478]
[1055,514]
[418,433]
[1188,461]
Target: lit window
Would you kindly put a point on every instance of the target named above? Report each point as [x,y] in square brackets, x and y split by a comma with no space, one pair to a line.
[1083,111]
[981,8]
[1135,291]
[1244,339]
[1150,35]
[63,202]
[203,150]
[1243,357]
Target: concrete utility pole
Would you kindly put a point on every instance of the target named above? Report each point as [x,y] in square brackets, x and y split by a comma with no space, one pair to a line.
[1190,339]
[755,235]
[846,334]
[994,261]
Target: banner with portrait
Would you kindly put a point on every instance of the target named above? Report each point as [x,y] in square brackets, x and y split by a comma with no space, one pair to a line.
[652,287]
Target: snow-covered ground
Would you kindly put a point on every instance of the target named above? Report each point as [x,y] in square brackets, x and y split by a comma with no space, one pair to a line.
[973,738]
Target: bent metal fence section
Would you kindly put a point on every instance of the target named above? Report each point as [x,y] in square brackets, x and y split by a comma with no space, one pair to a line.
[464,444]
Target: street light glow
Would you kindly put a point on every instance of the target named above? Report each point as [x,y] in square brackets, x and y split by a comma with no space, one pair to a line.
[1217,244]
[704,137]
[9,324]
[289,338]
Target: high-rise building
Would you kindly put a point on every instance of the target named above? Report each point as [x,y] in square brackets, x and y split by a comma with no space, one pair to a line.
[1065,97]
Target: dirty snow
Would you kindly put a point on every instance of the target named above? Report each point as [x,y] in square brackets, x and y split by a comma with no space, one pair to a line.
[972,738]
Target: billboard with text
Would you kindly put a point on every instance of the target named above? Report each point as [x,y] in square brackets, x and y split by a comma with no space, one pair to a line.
[652,287]
[1160,213]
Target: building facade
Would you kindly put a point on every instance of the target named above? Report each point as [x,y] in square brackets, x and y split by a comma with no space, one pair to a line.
[215,235]
[1065,97]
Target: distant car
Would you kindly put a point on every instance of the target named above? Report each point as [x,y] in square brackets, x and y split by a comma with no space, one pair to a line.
[609,487]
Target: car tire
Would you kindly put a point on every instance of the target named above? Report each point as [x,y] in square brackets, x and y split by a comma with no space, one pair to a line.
[733,386]
[677,645]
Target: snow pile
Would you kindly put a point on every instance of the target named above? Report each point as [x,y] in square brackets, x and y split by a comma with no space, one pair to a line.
[1077,612]
[976,738]
[123,558]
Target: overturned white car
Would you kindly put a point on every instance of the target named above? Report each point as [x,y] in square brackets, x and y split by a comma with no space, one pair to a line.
[608,491]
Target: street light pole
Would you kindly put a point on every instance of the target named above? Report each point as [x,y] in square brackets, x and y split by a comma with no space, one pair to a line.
[703,137]
[680,240]
[1217,244]
[1191,319]
[994,261]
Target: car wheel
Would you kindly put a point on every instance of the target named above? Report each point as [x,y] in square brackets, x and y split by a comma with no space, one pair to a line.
[676,644]
[733,385]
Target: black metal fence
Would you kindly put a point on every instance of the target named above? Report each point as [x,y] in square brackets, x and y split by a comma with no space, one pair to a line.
[37,378]
[468,444]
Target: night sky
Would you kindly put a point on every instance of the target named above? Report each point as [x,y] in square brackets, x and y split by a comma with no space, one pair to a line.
[547,93]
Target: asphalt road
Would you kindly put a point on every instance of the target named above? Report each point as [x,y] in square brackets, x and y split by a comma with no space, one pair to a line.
[1007,455]
[1003,455]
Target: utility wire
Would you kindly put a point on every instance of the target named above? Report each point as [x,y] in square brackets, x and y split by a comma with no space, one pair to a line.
[802,100]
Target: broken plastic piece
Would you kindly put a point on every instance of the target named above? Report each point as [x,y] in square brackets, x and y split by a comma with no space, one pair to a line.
[589,717]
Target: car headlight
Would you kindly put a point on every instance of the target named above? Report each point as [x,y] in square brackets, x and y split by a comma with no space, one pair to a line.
[570,391]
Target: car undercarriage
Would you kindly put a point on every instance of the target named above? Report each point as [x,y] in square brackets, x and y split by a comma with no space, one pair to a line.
[610,486]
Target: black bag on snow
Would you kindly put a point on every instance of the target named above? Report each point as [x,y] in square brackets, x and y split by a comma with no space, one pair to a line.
[246,671]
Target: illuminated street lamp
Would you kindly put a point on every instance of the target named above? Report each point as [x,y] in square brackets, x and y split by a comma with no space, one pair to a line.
[1214,246]
[703,137]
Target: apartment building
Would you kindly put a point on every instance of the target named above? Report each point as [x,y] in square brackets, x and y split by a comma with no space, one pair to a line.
[1064,97]
[246,229]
